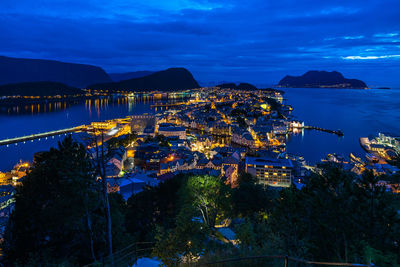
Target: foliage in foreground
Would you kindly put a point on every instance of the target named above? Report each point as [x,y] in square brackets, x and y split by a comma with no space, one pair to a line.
[336,217]
[58,217]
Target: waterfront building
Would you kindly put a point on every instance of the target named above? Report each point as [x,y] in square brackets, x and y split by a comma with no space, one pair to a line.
[103,125]
[140,122]
[390,140]
[270,171]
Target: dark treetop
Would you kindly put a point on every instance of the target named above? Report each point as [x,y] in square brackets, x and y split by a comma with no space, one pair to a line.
[318,79]
[166,80]
[15,70]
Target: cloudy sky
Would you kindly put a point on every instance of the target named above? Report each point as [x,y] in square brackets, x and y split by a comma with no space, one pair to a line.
[258,41]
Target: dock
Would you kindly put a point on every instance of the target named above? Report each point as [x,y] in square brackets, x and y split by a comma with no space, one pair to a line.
[338,132]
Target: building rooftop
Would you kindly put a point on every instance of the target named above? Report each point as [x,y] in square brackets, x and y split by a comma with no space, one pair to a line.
[269,162]
[171,128]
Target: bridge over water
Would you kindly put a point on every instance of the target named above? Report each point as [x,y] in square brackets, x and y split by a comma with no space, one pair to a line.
[40,135]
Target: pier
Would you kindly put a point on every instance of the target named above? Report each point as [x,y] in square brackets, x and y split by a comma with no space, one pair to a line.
[338,132]
[39,135]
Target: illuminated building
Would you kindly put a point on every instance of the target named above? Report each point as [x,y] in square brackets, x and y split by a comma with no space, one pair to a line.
[270,171]
[377,148]
[172,130]
[103,125]
[141,122]
[390,140]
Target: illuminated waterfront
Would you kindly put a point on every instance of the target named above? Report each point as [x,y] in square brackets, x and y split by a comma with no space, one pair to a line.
[356,112]
[79,114]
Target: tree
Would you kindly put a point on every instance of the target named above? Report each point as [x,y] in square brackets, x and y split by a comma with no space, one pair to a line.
[378,220]
[246,235]
[56,212]
[100,162]
[337,216]
[287,228]
[184,243]
[249,198]
[329,205]
[124,140]
[208,195]
[154,206]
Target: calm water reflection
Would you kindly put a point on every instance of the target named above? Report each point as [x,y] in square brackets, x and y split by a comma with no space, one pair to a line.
[356,112]
[18,124]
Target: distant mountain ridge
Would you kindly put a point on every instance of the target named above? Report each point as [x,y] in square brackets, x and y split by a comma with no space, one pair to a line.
[321,79]
[240,86]
[38,89]
[166,80]
[17,70]
[117,77]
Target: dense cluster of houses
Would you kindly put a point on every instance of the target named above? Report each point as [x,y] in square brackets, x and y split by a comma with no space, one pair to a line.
[206,137]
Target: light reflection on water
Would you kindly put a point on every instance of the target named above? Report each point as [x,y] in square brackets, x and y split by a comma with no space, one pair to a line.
[21,123]
[357,113]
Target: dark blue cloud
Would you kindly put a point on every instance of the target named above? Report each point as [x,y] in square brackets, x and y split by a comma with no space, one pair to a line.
[255,40]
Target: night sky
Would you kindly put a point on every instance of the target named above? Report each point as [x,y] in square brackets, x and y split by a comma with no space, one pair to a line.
[257,41]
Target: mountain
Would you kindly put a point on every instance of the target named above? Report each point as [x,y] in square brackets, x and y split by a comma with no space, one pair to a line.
[227,85]
[166,80]
[38,89]
[15,70]
[241,86]
[116,77]
[321,79]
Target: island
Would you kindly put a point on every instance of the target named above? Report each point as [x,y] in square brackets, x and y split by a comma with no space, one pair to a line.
[321,79]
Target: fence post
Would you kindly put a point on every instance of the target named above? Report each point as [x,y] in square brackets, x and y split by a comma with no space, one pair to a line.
[286,261]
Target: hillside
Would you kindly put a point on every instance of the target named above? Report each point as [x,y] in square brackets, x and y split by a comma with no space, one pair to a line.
[166,80]
[38,89]
[16,70]
[241,86]
[321,79]
[116,77]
